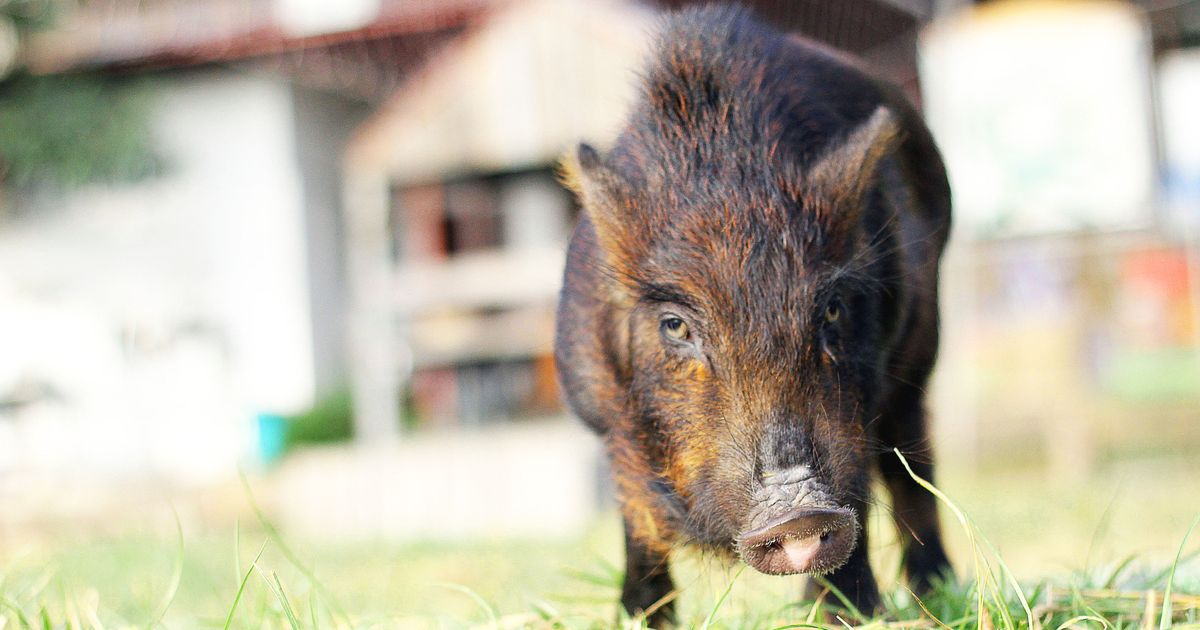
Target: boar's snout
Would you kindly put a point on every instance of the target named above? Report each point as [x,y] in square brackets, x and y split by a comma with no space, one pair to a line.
[803,540]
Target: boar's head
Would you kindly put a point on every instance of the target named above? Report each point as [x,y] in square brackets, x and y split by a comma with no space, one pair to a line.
[748,263]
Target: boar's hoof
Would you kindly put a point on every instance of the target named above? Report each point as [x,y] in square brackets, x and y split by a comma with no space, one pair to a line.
[805,540]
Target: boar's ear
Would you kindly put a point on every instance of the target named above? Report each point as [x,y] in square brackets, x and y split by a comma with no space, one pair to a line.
[844,174]
[600,191]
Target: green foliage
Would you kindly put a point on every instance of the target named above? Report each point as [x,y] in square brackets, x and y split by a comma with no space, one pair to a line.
[28,14]
[330,420]
[69,130]
[1168,374]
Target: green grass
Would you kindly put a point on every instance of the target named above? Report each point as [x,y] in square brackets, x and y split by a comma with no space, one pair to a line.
[251,576]
[270,592]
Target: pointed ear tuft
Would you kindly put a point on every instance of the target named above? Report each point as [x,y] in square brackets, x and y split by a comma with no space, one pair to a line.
[585,173]
[602,192]
[588,157]
[847,170]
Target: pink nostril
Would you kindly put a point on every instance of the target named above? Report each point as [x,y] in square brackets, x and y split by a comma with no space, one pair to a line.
[806,540]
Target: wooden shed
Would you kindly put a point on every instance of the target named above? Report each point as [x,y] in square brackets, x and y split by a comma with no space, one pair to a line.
[456,226]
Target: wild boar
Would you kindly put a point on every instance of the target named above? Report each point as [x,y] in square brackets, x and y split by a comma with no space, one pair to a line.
[749,315]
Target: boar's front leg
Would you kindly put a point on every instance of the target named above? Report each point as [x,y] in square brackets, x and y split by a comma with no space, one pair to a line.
[854,579]
[647,582]
[915,509]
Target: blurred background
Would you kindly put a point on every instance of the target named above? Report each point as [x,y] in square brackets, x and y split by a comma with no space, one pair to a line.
[316,245]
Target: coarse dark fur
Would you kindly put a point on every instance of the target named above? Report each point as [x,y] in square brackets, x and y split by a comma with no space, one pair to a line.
[752,286]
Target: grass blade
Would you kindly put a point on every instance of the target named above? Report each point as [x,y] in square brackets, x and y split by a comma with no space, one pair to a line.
[276,587]
[721,600]
[176,574]
[926,610]
[242,586]
[547,612]
[21,618]
[590,577]
[237,547]
[1074,620]
[970,528]
[1101,529]
[815,610]
[273,533]
[1164,621]
[492,616]
[846,603]
[1120,568]
[312,613]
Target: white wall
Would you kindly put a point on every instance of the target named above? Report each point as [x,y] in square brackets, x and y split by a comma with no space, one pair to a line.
[1042,111]
[535,478]
[167,313]
[1179,100]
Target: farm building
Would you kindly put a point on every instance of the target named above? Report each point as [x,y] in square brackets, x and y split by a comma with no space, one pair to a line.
[361,196]
[363,185]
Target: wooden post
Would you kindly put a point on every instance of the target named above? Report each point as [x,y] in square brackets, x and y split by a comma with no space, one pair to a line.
[1070,430]
[954,407]
[375,351]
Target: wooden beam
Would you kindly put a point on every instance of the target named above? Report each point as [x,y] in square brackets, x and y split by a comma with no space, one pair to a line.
[376,350]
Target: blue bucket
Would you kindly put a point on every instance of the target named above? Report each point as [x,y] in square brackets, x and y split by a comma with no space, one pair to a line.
[272,436]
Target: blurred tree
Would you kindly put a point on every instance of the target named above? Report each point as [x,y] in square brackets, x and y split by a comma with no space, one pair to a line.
[66,130]
[330,420]
[17,16]
[28,13]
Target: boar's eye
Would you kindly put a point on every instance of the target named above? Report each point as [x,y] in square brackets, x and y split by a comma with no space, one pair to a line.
[674,328]
[830,333]
[833,312]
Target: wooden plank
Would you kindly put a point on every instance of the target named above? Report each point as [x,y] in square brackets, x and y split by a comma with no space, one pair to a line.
[452,339]
[480,280]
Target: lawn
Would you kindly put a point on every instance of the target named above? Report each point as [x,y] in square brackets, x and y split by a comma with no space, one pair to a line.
[1096,550]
